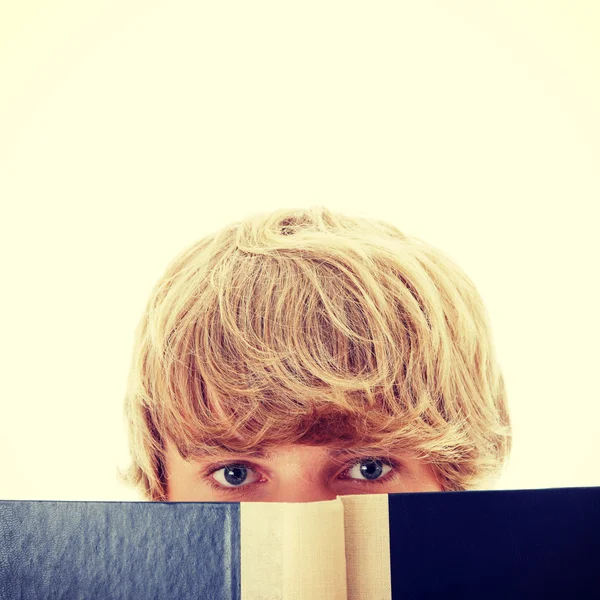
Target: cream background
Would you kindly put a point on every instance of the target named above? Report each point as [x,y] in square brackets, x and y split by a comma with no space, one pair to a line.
[130,129]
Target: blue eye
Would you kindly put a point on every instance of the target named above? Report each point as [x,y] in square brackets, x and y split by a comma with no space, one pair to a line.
[369,469]
[234,475]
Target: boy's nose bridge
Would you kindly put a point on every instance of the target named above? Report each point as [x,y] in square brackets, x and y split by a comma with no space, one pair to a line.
[300,490]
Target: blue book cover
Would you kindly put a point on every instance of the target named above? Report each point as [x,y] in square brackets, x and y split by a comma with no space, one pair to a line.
[121,550]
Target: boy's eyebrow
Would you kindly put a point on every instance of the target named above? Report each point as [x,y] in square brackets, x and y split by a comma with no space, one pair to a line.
[268,454]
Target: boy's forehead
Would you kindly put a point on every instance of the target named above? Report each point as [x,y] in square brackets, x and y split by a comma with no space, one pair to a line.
[271,452]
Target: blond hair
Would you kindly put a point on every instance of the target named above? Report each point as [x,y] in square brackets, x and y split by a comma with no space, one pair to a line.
[311,327]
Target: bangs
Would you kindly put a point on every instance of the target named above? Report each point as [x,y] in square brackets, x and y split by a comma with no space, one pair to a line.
[235,430]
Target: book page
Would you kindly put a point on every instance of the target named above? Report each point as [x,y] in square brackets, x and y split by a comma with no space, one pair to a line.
[293,551]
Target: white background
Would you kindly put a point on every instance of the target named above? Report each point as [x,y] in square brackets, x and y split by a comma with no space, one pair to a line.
[130,129]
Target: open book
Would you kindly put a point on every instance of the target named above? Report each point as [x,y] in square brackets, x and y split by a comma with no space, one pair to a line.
[510,544]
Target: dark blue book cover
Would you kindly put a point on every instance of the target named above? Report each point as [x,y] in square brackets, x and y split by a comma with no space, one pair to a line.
[509,544]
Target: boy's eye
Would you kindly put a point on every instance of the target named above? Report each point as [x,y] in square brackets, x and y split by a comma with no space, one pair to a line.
[232,475]
[369,469]
[236,475]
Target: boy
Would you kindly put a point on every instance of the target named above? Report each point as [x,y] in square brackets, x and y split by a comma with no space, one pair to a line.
[302,354]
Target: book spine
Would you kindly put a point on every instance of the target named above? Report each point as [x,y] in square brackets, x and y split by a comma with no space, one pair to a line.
[367,541]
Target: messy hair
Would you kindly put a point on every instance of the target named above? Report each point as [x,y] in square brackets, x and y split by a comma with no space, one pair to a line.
[311,327]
